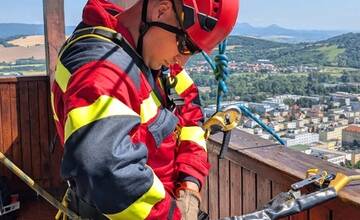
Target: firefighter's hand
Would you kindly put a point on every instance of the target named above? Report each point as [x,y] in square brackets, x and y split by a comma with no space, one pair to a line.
[188,202]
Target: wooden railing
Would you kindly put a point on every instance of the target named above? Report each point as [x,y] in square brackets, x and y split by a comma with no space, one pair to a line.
[26,130]
[254,170]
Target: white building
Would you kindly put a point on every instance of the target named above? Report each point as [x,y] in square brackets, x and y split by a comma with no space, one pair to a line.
[355,106]
[315,120]
[331,156]
[276,105]
[261,108]
[351,96]
[304,138]
[290,125]
[337,111]
[250,123]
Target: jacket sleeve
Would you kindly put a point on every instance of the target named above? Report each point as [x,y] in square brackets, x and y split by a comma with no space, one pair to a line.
[192,154]
[109,169]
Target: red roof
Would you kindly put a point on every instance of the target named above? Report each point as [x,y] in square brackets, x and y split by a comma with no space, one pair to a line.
[353,128]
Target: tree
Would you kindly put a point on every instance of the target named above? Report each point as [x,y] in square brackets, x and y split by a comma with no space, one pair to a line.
[357,165]
[345,77]
[305,102]
[348,164]
[289,102]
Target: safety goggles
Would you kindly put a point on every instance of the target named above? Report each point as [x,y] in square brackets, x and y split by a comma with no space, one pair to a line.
[184,44]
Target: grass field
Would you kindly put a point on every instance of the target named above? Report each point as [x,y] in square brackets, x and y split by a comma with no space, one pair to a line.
[28,41]
[338,70]
[11,54]
[331,52]
[33,73]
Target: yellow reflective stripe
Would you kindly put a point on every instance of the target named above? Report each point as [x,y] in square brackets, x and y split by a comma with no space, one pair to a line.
[183,82]
[88,35]
[141,208]
[104,106]
[149,108]
[56,118]
[195,134]
[62,76]
[98,27]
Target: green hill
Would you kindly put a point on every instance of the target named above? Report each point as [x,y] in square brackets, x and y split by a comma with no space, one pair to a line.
[339,51]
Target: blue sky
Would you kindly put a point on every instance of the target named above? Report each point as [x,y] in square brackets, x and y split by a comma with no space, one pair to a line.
[296,14]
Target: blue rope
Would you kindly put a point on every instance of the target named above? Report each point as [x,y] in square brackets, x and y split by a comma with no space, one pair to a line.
[250,115]
[221,72]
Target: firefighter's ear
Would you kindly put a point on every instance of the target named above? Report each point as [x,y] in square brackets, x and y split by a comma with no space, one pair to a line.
[164,10]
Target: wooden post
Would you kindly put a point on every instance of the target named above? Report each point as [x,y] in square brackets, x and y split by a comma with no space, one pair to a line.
[54,26]
[125,3]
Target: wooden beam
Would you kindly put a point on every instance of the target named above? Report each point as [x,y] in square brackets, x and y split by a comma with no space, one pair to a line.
[125,3]
[54,26]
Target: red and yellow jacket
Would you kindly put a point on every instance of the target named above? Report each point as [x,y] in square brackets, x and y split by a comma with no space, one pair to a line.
[120,144]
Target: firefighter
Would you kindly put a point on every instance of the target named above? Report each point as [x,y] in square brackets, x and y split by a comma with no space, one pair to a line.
[133,143]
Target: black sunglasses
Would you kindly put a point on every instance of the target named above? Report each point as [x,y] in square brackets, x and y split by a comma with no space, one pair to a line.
[184,44]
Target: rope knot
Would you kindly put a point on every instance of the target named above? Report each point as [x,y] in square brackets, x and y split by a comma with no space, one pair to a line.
[221,70]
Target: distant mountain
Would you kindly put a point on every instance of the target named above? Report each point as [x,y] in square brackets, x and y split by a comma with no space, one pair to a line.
[339,51]
[8,30]
[329,50]
[280,34]
[272,32]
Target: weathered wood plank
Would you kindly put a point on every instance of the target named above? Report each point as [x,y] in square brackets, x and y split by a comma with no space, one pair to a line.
[205,196]
[17,79]
[34,130]
[1,134]
[15,133]
[342,210]
[277,188]
[257,166]
[263,191]
[44,132]
[15,127]
[235,190]
[213,187]
[25,127]
[224,187]
[319,213]
[125,3]
[6,124]
[301,216]
[249,191]
[55,159]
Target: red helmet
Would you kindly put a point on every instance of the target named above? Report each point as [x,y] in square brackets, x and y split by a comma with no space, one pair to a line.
[208,22]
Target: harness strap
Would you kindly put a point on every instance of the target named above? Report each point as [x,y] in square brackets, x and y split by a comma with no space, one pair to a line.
[120,41]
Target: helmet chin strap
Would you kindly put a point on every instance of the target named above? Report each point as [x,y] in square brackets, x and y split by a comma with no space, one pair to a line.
[145,26]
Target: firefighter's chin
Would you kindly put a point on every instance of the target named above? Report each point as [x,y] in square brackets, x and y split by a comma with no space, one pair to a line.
[155,66]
